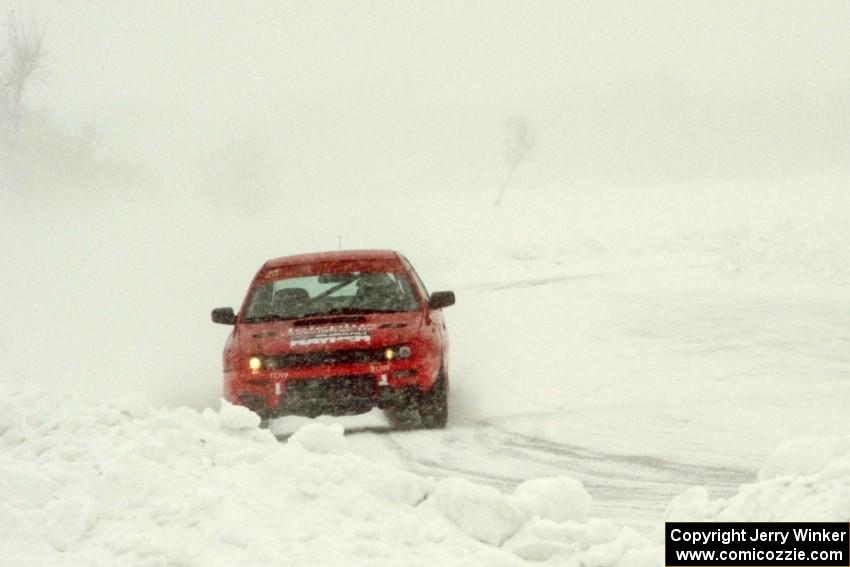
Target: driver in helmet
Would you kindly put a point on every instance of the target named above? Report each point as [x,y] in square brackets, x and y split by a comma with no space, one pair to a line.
[377,291]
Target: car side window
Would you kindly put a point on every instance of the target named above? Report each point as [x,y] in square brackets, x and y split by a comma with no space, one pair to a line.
[416,277]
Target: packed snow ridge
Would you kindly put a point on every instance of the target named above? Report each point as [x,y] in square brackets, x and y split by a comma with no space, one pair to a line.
[126,484]
[804,480]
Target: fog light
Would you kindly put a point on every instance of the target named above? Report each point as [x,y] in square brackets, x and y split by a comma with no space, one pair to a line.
[404,352]
[389,354]
[255,363]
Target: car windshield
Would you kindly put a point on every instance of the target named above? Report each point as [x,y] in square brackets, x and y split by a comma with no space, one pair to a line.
[329,294]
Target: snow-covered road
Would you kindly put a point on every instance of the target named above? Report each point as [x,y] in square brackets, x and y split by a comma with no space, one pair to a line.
[640,382]
[632,489]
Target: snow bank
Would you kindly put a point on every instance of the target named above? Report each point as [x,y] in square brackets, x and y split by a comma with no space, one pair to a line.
[128,484]
[803,480]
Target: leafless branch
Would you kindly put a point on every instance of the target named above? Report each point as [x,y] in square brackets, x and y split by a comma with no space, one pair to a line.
[21,60]
[518,145]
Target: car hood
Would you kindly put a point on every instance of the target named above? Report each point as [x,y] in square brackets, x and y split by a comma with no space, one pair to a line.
[371,330]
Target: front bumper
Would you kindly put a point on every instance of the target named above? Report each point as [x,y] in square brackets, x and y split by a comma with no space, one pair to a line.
[331,390]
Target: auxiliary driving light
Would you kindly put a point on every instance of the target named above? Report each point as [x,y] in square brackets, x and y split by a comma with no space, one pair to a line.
[255,363]
[404,352]
[389,354]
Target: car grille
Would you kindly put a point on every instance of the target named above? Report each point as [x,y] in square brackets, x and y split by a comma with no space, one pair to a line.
[332,389]
[301,360]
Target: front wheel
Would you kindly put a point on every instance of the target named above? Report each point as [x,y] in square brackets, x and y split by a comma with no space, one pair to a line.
[434,407]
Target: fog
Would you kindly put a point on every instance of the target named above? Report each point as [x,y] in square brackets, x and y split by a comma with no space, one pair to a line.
[625,90]
[168,149]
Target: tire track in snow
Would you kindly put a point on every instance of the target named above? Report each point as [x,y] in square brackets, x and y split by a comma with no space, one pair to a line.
[535,282]
[632,488]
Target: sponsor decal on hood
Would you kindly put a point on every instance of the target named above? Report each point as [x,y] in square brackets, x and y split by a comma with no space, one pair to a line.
[331,334]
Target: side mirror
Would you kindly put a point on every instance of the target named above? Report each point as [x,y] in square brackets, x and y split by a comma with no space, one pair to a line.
[440,299]
[224,315]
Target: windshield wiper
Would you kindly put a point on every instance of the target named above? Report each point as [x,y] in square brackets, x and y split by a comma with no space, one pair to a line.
[329,312]
[342,311]
[267,318]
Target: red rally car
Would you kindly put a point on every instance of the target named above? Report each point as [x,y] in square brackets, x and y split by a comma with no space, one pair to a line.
[339,333]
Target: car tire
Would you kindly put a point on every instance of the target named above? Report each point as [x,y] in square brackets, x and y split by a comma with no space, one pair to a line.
[434,406]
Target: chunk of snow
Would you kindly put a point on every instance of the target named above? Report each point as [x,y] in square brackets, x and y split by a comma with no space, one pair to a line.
[68,521]
[373,419]
[693,505]
[237,417]
[481,512]
[321,438]
[805,455]
[596,542]
[559,498]
[132,404]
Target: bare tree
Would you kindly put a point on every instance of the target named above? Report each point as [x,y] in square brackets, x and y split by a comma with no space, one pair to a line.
[21,60]
[518,144]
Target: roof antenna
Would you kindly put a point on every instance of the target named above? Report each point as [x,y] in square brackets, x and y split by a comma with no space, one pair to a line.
[339,242]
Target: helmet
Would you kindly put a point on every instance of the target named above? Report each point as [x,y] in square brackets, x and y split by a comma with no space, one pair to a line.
[375,280]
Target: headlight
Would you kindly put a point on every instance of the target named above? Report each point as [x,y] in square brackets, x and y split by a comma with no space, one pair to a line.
[399,352]
[255,363]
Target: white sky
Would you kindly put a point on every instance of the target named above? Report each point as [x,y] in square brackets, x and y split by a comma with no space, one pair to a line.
[673,89]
